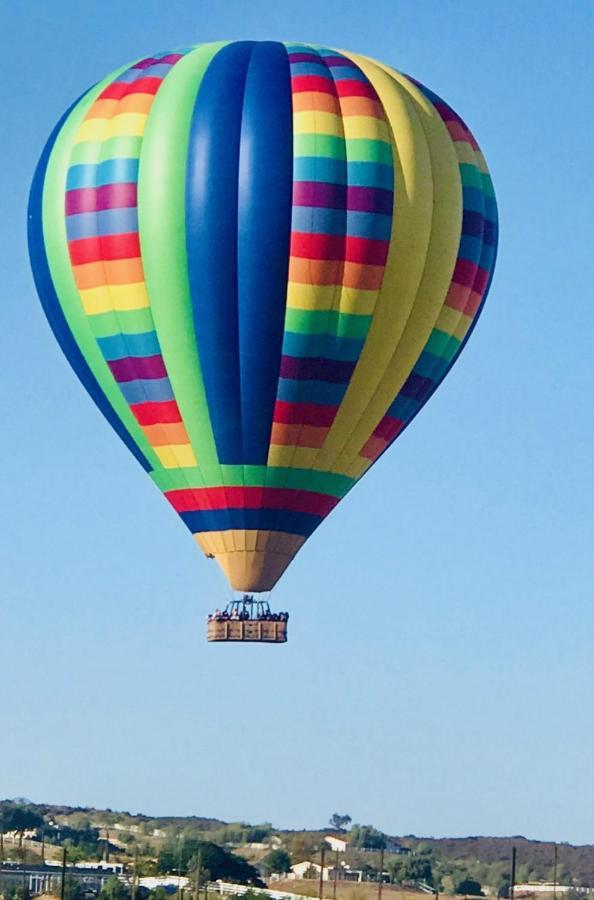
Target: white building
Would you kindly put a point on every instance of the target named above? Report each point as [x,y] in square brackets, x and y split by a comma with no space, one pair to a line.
[338,844]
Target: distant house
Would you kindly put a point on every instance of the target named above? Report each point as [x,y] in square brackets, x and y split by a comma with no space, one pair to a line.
[546,887]
[329,873]
[338,844]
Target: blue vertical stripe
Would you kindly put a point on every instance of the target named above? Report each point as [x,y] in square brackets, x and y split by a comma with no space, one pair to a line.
[264,232]
[211,238]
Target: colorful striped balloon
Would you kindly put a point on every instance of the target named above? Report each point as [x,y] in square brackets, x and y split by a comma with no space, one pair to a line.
[260,259]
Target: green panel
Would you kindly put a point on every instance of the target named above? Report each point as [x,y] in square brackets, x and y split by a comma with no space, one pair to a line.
[161,213]
[257,476]
[471,176]
[132,321]
[321,321]
[54,231]
[442,344]
[357,149]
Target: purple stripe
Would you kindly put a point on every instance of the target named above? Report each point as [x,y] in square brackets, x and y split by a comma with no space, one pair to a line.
[145,63]
[131,368]
[337,196]
[304,57]
[339,61]
[417,387]
[107,196]
[316,369]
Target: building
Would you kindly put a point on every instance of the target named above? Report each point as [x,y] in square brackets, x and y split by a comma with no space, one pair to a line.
[336,843]
[307,869]
[42,878]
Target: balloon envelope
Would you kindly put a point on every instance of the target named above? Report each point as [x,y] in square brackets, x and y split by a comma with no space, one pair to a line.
[260,259]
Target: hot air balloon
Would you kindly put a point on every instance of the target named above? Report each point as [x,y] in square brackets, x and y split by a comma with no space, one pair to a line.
[260,259]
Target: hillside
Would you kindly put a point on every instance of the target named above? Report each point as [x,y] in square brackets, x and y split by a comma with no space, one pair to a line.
[444,862]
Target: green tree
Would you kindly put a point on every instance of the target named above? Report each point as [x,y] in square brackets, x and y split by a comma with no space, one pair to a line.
[469,886]
[73,889]
[114,889]
[159,893]
[277,862]
[367,838]
[340,822]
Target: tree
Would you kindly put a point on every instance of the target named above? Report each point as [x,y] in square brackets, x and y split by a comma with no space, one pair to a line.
[73,890]
[114,889]
[469,886]
[277,862]
[367,838]
[216,862]
[339,822]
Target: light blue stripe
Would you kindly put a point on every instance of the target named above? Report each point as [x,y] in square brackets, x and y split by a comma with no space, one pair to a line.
[310,346]
[128,76]
[108,172]
[112,171]
[317,220]
[159,70]
[470,248]
[430,366]
[473,199]
[296,391]
[143,390]
[347,73]
[310,68]
[106,221]
[120,346]
[319,168]
[82,176]
[368,174]
[403,408]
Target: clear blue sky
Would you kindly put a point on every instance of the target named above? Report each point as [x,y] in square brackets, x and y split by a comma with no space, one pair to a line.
[440,670]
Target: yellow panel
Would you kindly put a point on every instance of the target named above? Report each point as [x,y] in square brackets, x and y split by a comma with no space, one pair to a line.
[315,122]
[354,301]
[129,124]
[411,232]
[366,127]
[91,130]
[176,456]
[120,297]
[451,321]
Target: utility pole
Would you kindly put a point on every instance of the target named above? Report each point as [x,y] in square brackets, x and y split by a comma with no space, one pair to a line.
[335,877]
[63,881]
[1,862]
[135,874]
[513,875]
[180,892]
[381,874]
[321,882]
[555,874]
[197,882]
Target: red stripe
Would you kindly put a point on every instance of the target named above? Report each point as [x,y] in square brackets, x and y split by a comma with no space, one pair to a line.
[464,273]
[108,247]
[355,89]
[304,413]
[388,428]
[192,499]
[314,83]
[108,196]
[166,413]
[338,247]
[120,89]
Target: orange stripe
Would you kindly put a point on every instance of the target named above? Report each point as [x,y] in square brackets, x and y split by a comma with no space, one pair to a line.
[102,109]
[136,103]
[366,278]
[305,102]
[116,271]
[298,435]
[162,435]
[314,271]
[361,106]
